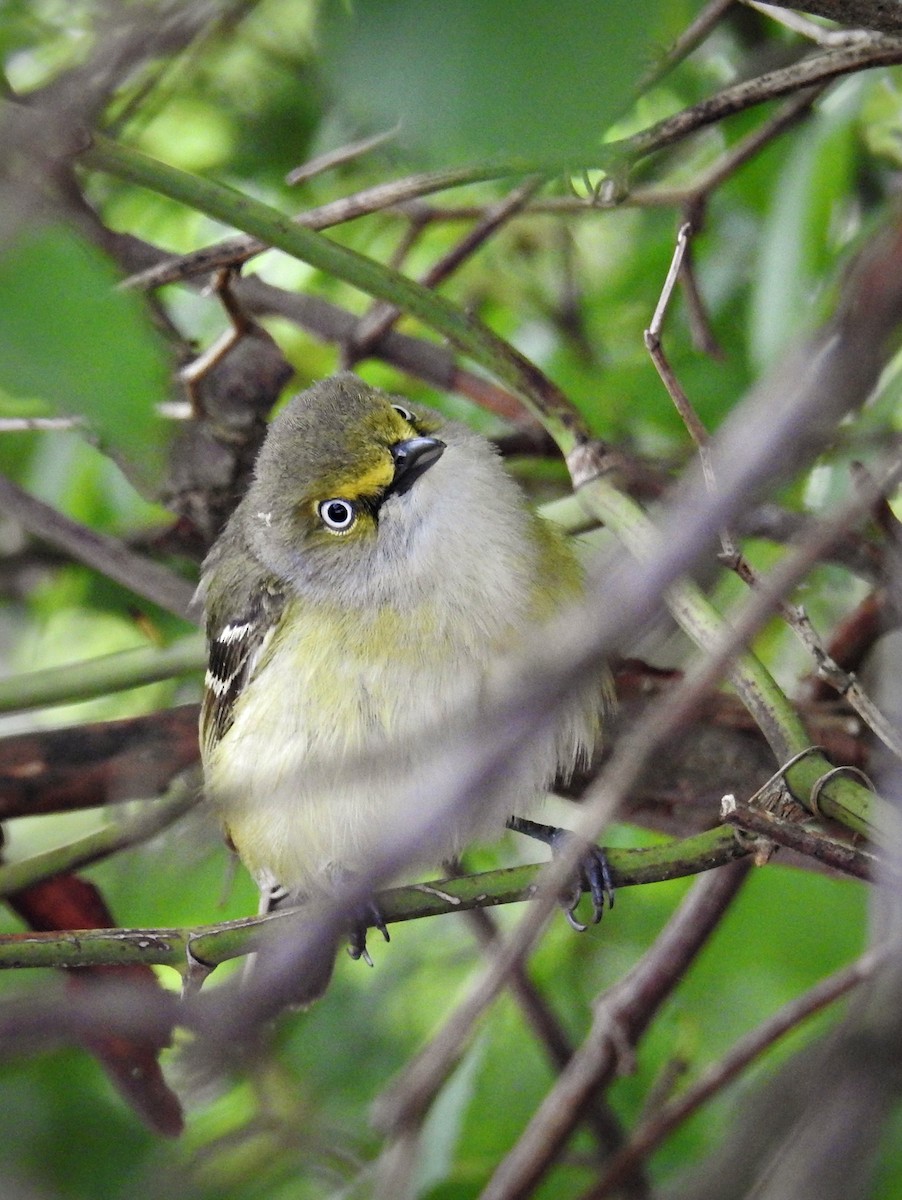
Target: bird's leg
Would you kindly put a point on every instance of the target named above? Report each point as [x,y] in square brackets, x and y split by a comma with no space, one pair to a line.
[593,872]
[364,916]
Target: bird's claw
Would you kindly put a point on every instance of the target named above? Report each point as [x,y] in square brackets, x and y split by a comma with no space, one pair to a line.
[594,877]
[593,874]
[368,916]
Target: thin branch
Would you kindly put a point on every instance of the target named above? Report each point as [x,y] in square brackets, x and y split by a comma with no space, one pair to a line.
[599,1117]
[621,1017]
[337,158]
[821,35]
[380,319]
[86,678]
[885,15]
[690,39]
[795,616]
[652,1132]
[112,838]
[688,415]
[236,250]
[878,50]
[547,401]
[840,856]
[40,424]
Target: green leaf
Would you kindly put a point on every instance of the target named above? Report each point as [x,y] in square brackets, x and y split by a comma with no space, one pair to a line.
[534,81]
[798,244]
[69,338]
[442,1127]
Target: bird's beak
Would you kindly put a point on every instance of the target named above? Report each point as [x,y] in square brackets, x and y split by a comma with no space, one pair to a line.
[413,457]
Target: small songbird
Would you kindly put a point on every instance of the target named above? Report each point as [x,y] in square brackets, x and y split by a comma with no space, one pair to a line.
[357,602]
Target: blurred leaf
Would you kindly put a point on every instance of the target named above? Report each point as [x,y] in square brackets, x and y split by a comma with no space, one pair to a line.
[536,82]
[68,337]
[799,238]
[442,1127]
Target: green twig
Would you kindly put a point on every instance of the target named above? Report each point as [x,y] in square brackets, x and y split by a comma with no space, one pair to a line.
[92,677]
[217,943]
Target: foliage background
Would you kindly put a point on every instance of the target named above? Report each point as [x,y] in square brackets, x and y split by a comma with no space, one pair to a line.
[267,86]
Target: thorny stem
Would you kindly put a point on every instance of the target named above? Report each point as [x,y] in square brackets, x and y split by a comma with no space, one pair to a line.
[215,944]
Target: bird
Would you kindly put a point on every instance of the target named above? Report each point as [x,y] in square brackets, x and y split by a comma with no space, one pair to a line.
[380,565]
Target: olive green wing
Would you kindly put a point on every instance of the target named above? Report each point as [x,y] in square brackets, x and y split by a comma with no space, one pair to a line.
[243,605]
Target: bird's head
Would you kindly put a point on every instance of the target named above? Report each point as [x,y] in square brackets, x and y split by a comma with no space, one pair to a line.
[339,494]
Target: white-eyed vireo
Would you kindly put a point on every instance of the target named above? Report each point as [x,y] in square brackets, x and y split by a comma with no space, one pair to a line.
[379,565]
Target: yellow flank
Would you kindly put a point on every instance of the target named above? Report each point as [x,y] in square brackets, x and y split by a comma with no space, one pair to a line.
[289,809]
[559,569]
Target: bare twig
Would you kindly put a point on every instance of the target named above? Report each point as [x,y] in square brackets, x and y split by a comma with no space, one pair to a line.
[691,37]
[337,158]
[845,684]
[885,15]
[598,1115]
[236,250]
[42,424]
[381,317]
[841,856]
[878,50]
[621,1017]
[690,418]
[652,1132]
[94,847]
[820,34]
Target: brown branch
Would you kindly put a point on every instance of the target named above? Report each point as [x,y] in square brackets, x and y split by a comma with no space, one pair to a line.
[58,770]
[381,317]
[854,638]
[621,1017]
[599,1117]
[690,39]
[233,251]
[877,50]
[652,1132]
[338,157]
[105,554]
[883,15]
[839,855]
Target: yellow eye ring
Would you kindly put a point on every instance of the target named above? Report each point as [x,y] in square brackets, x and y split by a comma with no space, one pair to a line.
[336,514]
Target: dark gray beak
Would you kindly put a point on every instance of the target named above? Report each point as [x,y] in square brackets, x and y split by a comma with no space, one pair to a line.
[413,457]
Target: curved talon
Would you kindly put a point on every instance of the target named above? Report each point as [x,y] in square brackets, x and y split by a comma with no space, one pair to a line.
[576,926]
[601,886]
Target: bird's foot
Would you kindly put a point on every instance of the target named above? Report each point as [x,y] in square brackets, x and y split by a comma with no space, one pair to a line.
[367,916]
[593,874]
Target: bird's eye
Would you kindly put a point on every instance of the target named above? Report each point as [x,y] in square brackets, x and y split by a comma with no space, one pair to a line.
[337,515]
[405,413]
